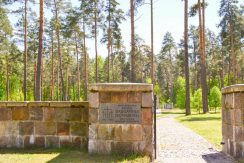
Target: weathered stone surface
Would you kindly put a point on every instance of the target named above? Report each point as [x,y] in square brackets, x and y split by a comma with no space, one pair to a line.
[238,133]
[5,114]
[9,128]
[229,101]
[99,146]
[94,100]
[3,104]
[16,104]
[121,87]
[92,131]
[36,114]
[11,141]
[147,133]
[238,117]
[59,104]
[40,141]
[45,128]
[20,113]
[62,114]
[147,99]
[239,146]
[48,114]
[239,100]
[134,97]
[123,148]
[147,116]
[105,97]
[65,141]
[79,129]
[29,141]
[105,131]
[52,141]
[38,104]
[128,132]
[93,115]
[119,97]
[233,88]
[26,128]
[63,128]
[230,115]
[83,104]
[75,114]
[85,115]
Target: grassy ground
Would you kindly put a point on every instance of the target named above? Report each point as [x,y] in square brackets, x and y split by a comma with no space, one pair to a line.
[64,156]
[206,125]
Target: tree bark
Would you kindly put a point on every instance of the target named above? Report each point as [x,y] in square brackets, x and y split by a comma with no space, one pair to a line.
[203,63]
[85,58]
[95,32]
[133,75]
[78,66]
[152,47]
[7,81]
[25,53]
[52,88]
[59,51]
[188,109]
[40,49]
[109,39]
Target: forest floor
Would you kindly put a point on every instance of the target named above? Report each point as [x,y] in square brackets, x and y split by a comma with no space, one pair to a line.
[190,139]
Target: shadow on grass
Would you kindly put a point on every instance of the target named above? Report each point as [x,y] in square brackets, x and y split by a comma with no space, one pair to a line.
[189,119]
[75,155]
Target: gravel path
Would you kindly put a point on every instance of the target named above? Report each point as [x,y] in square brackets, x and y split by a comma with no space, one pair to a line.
[178,144]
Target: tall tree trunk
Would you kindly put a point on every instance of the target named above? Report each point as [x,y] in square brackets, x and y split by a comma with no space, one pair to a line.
[109,39]
[152,47]
[25,54]
[40,49]
[34,78]
[85,58]
[188,109]
[203,63]
[67,85]
[78,66]
[133,75]
[95,32]
[58,96]
[52,87]
[222,73]
[233,58]
[59,51]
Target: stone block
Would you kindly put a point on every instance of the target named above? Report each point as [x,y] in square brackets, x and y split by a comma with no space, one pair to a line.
[36,114]
[11,141]
[38,104]
[75,114]
[147,100]
[229,101]
[146,116]
[26,128]
[123,148]
[62,114]
[79,129]
[48,114]
[20,113]
[45,128]
[94,100]
[238,117]
[105,131]
[3,104]
[238,133]
[5,114]
[230,116]
[104,97]
[85,114]
[80,104]
[63,128]
[60,104]
[40,141]
[239,150]
[29,141]
[239,100]
[223,113]
[16,104]
[79,142]
[65,141]
[128,132]
[134,97]
[9,128]
[99,146]
[230,131]
[119,97]
[52,142]
[147,133]
[93,115]
[92,131]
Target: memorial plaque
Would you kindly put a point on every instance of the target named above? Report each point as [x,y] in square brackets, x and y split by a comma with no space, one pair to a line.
[120,113]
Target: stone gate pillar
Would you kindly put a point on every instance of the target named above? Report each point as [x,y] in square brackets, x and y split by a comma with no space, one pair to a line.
[233,120]
[121,118]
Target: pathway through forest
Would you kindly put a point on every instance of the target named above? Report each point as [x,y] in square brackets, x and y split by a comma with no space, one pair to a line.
[178,144]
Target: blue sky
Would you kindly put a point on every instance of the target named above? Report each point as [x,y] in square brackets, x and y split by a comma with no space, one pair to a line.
[168,17]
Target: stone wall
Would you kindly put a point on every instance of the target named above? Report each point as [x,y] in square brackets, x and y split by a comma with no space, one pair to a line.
[233,120]
[117,133]
[43,124]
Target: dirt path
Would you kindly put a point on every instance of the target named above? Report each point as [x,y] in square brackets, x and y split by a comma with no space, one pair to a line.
[178,144]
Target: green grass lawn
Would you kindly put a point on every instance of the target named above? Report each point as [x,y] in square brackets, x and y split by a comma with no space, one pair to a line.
[206,125]
[64,156]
